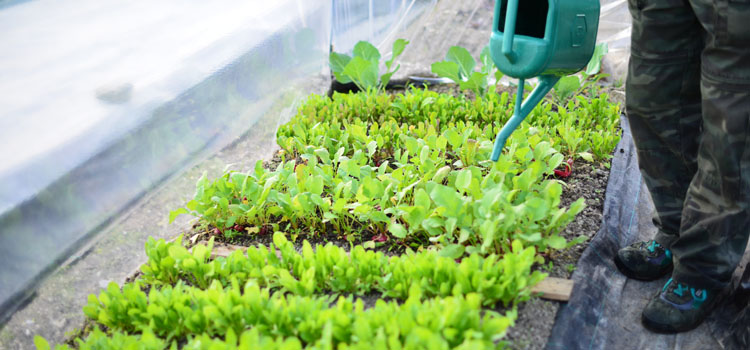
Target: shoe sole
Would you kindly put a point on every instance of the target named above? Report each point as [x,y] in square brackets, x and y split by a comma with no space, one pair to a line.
[669,329]
[630,274]
[666,329]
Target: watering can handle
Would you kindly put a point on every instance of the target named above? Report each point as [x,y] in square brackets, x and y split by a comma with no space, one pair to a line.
[546,82]
[510,30]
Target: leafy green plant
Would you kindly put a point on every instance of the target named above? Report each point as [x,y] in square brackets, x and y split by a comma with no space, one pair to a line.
[329,268]
[98,340]
[459,67]
[413,168]
[170,261]
[363,68]
[175,312]
[418,172]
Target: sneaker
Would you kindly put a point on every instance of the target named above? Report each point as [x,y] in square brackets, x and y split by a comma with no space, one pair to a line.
[678,308]
[646,261]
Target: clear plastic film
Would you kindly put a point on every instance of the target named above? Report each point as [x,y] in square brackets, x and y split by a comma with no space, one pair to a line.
[614,29]
[102,101]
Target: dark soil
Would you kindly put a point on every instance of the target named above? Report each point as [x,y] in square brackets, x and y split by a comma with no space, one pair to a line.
[537,316]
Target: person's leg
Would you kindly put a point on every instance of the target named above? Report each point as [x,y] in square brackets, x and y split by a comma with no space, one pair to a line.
[663,105]
[716,216]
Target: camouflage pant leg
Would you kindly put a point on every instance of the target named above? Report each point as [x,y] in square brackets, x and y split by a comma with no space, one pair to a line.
[716,217]
[663,103]
[690,121]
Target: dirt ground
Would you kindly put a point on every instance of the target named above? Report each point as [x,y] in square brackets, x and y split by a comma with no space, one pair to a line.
[537,316]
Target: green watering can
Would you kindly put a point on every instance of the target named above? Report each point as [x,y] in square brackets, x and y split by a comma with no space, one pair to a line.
[544,38]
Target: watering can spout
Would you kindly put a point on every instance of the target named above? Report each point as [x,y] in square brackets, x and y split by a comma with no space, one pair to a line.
[548,39]
[546,82]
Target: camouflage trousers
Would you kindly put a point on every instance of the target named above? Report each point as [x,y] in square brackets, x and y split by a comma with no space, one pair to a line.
[688,103]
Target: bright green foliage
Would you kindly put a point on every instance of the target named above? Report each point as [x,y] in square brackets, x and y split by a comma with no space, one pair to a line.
[506,279]
[329,268]
[417,167]
[98,340]
[595,64]
[168,262]
[414,166]
[586,126]
[41,343]
[175,312]
[459,67]
[363,67]
[248,340]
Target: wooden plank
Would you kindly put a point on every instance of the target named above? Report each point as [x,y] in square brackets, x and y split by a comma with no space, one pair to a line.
[553,288]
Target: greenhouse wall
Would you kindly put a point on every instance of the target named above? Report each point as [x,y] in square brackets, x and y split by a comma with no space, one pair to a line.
[102,101]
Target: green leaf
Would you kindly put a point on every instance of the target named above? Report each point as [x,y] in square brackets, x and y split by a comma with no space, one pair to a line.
[595,64]
[323,154]
[421,198]
[498,75]
[41,343]
[463,58]
[587,156]
[371,148]
[445,69]
[532,238]
[397,230]
[464,236]
[327,216]
[454,138]
[398,48]
[385,78]
[316,185]
[175,213]
[447,197]
[477,82]
[556,242]
[441,174]
[337,62]
[367,51]
[463,180]
[453,251]
[362,72]
[565,88]
[486,60]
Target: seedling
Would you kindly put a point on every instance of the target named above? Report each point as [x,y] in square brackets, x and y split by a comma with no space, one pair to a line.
[459,67]
[363,68]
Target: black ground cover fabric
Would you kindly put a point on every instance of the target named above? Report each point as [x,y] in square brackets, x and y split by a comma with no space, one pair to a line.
[605,308]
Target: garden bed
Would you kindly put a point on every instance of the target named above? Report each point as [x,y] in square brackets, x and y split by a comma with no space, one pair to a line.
[421,221]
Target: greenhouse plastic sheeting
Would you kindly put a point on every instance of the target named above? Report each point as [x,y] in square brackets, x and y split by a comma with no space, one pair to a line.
[614,29]
[102,100]
[605,307]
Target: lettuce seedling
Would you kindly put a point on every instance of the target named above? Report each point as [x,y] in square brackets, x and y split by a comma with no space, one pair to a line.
[363,67]
[459,67]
